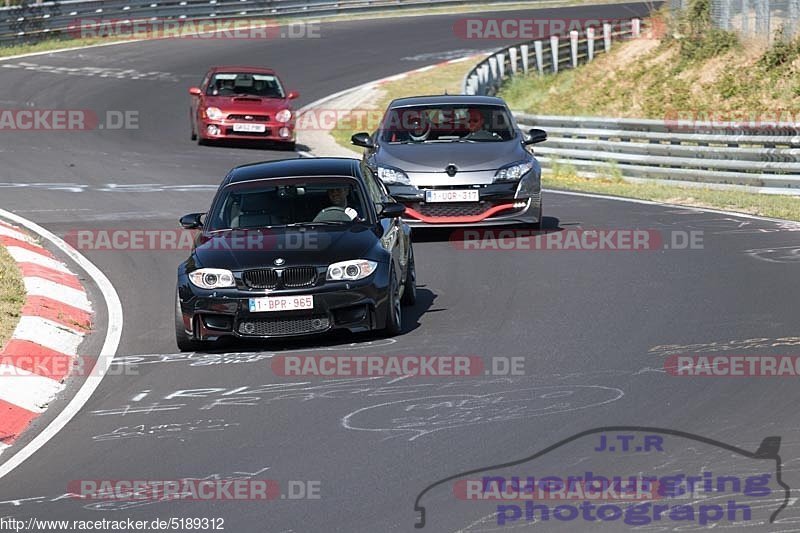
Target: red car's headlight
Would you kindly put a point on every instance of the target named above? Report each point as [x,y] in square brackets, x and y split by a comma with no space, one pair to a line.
[284,115]
[214,113]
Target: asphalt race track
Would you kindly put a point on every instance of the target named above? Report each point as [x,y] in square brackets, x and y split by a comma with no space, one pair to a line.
[588,324]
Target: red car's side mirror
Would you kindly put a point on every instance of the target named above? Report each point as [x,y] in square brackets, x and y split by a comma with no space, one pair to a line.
[195,91]
[292,95]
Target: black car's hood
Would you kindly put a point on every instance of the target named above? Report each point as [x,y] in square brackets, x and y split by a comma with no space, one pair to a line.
[322,245]
[434,157]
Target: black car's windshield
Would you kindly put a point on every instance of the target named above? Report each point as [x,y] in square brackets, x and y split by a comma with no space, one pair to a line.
[286,202]
[447,123]
[246,84]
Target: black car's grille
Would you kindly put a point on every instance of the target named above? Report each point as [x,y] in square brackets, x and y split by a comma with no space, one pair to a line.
[262,327]
[270,278]
[255,118]
[295,277]
[263,278]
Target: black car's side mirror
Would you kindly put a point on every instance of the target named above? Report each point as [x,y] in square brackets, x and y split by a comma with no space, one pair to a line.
[535,136]
[192,221]
[362,139]
[392,210]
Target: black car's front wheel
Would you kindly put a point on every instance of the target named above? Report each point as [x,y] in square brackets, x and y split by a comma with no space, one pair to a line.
[410,286]
[394,309]
[183,340]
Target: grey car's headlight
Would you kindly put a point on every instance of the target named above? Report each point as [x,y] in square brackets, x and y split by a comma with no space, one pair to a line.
[390,176]
[513,172]
[351,270]
[212,278]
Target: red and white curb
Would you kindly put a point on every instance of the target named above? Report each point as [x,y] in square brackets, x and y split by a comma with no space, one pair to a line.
[56,317]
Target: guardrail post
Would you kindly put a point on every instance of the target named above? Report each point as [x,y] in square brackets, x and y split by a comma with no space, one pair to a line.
[492,75]
[539,57]
[636,27]
[590,43]
[607,36]
[554,51]
[523,51]
[501,64]
[573,45]
[512,54]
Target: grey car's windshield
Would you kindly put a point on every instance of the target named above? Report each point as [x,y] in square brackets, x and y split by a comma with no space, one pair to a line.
[244,84]
[288,202]
[447,123]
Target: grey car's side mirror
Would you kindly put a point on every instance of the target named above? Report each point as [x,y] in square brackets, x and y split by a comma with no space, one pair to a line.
[392,210]
[362,139]
[535,136]
[192,221]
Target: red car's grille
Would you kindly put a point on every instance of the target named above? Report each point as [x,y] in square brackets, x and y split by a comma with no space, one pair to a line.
[255,118]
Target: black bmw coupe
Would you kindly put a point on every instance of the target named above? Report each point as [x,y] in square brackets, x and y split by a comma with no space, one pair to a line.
[294,248]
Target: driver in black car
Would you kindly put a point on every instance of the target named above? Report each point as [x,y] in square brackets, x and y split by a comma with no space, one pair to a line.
[338,196]
[339,209]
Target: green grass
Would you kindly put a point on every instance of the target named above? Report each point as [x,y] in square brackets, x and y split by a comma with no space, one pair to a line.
[12,295]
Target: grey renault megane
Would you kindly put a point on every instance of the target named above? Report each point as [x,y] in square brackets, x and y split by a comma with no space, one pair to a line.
[456,160]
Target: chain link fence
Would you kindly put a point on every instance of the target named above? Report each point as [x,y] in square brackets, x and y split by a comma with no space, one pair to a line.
[754,18]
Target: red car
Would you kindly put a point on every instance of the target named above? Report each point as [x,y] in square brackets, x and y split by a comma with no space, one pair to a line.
[242,103]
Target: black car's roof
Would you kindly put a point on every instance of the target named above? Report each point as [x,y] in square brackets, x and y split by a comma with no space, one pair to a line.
[287,168]
[454,99]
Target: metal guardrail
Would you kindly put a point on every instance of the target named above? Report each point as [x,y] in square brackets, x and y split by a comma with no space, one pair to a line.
[707,152]
[61,19]
[556,52]
[765,155]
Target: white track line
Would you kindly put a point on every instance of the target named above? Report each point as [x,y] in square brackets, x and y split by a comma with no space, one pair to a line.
[28,391]
[23,255]
[662,204]
[36,286]
[109,348]
[48,334]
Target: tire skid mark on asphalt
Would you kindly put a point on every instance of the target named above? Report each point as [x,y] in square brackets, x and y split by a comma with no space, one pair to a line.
[56,316]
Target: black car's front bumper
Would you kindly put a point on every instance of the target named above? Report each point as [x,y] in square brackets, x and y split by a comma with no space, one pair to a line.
[355,306]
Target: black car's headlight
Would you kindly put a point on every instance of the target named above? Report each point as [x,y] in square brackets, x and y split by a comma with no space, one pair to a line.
[351,270]
[513,172]
[212,278]
[393,176]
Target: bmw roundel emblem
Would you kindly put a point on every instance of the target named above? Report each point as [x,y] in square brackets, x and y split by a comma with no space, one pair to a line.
[279,261]
[451,170]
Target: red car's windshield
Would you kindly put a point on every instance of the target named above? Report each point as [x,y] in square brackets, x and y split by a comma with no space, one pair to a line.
[241,83]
